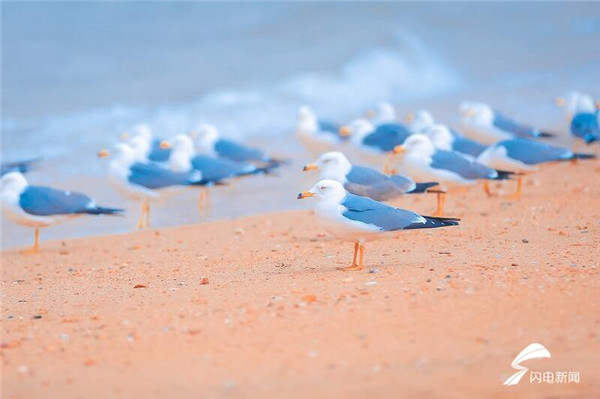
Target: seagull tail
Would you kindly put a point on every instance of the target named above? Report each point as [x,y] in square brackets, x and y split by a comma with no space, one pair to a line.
[579,155]
[503,175]
[100,210]
[546,134]
[432,222]
[422,188]
[590,138]
[273,163]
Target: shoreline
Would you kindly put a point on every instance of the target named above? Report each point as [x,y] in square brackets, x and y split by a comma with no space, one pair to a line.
[254,306]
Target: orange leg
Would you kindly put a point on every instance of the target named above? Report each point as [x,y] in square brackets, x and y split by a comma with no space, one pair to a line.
[148,216]
[517,194]
[36,244]
[486,188]
[355,266]
[441,200]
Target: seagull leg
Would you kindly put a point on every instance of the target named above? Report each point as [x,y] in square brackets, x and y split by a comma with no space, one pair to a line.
[140,224]
[353,266]
[148,216]
[517,194]
[36,244]
[441,199]
[208,203]
[486,188]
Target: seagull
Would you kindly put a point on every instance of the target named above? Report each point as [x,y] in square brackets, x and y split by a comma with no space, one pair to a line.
[17,166]
[364,181]
[586,126]
[38,206]
[420,121]
[376,141]
[575,102]
[423,162]
[317,136]
[146,182]
[207,141]
[448,139]
[521,156]
[213,170]
[358,219]
[383,112]
[487,126]
[145,146]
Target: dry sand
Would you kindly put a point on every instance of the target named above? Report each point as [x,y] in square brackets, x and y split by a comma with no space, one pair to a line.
[444,314]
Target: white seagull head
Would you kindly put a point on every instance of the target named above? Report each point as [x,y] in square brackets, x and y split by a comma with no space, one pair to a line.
[440,136]
[575,102]
[182,153]
[13,182]
[332,165]
[142,130]
[418,144]
[358,129]
[420,121]
[476,113]
[140,147]
[384,113]
[205,137]
[325,190]
[305,113]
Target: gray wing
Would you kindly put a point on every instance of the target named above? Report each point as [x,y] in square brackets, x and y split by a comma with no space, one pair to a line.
[216,169]
[46,201]
[238,152]
[586,126]
[374,213]
[466,146]
[506,124]
[153,176]
[370,183]
[387,136]
[533,152]
[466,168]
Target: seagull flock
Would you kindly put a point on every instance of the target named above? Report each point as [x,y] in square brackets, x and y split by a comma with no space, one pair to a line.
[420,156]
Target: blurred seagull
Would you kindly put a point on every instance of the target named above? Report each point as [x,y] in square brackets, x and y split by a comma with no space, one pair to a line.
[420,121]
[522,156]
[17,166]
[207,141]
[317,136]
[213,170]
[383,112]
[376,141]
[423,162]
[447,139]
[575,102]
[357,219]
[146,148]
[146,182]
[364,181]
[586,126]
[487,126]
[38,206]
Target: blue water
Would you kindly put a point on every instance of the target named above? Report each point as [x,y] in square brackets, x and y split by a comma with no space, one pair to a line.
[76,75]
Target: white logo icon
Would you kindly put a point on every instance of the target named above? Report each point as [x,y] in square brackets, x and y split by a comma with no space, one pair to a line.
[533,351]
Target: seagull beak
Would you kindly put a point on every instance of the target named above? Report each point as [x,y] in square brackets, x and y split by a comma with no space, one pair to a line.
[304,194]
[310,166]
[410,118]
[124,136]
[369,113]
[344,131]
[399,149]
[102,153]
[164,145]
[560,102]
[598,104]
[193,134]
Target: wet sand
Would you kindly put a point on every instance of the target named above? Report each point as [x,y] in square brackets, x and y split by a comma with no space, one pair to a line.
[255,307]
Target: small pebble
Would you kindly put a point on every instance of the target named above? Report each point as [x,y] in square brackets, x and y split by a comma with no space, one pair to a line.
[525,241]
[373,270]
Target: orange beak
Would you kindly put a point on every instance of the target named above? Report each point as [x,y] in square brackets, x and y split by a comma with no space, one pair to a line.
[598,104]
[102,154]
[410,118]
[369,113]
[344,131]
[399,149]
[304,194]
[124,136]
[560,102]
[164,145]
[310,166]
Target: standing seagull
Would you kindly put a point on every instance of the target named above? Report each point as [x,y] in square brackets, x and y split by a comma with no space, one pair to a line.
[574,103]
[364,181]
[357,219]
[522,156]
[208,142]
[146,182]
[447,139]
[383,112]
[317,136]
[487,126]
[424,162]
[37,206]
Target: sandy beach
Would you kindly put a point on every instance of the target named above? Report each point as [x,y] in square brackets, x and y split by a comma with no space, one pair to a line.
[255,307]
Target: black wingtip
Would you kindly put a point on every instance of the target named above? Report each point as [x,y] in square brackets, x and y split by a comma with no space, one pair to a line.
[546,134]
[504,175]
[106,211]
[590,138]
[584,156]
[422,188]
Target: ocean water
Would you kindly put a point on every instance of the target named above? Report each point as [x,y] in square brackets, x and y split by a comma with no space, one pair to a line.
[76,75]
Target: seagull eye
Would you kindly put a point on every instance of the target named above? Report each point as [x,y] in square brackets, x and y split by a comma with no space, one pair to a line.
[323,188]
